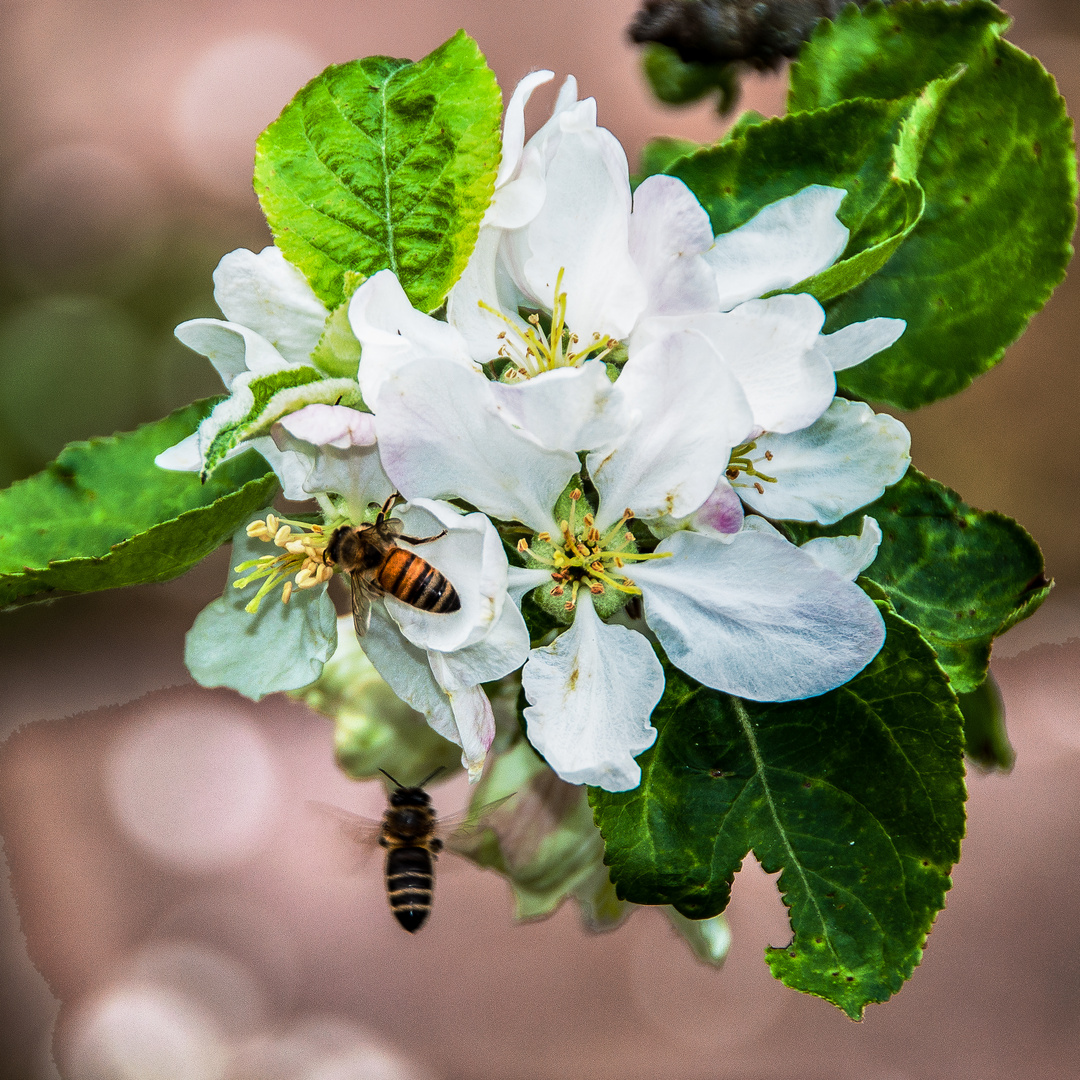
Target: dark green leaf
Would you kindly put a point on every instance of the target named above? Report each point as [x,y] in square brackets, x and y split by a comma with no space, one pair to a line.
[961,575]
[856,797]
[999,173]
[104,515]
[677,82]
[850,146]
[986,740]
[659,154]
[384,163]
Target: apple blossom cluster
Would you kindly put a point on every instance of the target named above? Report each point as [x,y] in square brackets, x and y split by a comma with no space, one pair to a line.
[605,426]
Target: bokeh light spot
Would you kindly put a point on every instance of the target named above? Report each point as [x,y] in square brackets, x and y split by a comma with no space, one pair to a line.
[233,91]
[196,790]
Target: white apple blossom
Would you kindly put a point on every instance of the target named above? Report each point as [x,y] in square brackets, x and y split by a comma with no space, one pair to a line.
[273,322]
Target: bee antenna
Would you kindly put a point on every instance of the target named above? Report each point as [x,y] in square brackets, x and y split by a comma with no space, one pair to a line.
[424,782]
[389,777]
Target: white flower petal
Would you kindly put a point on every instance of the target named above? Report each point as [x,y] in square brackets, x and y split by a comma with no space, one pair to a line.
[465,718]
[513,140]
[689,413]
[592,692]
[471,556]
[291,468]
[392,333]
[502,651]
[331,425]
[787,242]
[721,514]
[828,470]
[859,341]
[442,436]
[521,580]
[185,456]
[565,409]
[476,292]
[280,647]
[847,556]
[583,230]
[757,617]
[231,348]
[669,231]
[268,293]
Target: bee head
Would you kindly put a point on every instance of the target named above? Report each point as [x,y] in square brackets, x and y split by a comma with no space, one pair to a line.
[410,796]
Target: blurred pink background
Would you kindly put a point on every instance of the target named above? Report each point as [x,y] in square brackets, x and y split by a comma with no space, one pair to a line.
[173,907]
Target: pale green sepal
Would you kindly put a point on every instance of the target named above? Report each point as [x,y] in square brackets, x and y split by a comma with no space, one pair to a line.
[259,400]
[601,909]
[373,728]
[709,939]
[550,847]
[281,647]
[338,352]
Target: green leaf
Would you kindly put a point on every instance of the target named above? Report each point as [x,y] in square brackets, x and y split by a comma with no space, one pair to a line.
[856,797]
[850,146]
[986,740]
[962,576]
[383,163]
[103,515]
[677,82]
[257,401]
[659,154]
[999,173]
[279,647]
[373,728]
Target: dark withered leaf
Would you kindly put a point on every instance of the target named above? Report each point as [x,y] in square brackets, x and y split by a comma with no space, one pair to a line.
[760,32]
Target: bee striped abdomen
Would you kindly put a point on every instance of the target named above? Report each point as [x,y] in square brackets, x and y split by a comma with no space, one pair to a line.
[415,581]
[409,883]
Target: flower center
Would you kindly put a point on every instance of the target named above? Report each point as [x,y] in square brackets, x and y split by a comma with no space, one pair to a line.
[535,351]
[585,558]
[302,563]
[742,464]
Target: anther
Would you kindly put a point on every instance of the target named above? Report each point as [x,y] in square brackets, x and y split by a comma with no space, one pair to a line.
[768,455]
[557,591]
[596,589]
[732,474]
[545,536]
[760,489]
[575,494]
[523,545]
[286,592]
[272,523]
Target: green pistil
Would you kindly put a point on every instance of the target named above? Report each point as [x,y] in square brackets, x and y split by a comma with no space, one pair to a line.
[585,559]
[741,462]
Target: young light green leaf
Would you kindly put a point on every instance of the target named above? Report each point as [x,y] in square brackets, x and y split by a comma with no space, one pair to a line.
[384,163]
[103,515]
[999,173]
[986,739]
[279,647]
[257,401]
[856,797]
[961,575]
[373,728]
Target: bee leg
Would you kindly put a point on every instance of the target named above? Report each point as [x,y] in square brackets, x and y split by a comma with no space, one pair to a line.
[387,506]
[414,540]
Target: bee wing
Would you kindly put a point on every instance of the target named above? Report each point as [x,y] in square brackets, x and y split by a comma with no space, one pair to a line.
[466,823]
[363,592]
[361,832]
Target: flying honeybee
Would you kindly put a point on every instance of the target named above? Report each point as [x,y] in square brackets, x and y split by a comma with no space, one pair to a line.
[409,832]
[377,565]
